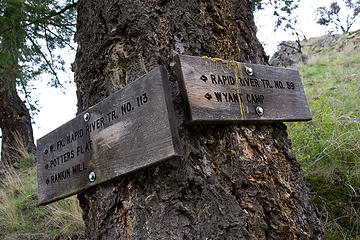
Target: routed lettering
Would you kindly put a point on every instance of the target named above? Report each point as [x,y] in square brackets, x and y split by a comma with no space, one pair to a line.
[228,97]
[78,168]
[83,148]
[237,92]
[75,136]
[95,125]
[222,79]
[255,98]
[61,159]
[103,139]
[279,85]
[60,176]
[249,82]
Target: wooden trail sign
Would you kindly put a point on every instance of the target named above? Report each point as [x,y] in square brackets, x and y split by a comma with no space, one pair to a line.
[217,91]
[129,130]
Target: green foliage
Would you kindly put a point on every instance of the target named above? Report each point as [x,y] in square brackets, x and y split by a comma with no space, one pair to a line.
[331,15]
[26,162]
[20,218]
[328,147]
[338,208]
[30,31]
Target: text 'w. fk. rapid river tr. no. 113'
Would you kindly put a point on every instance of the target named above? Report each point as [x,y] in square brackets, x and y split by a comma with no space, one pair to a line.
[132,129]
[136,127]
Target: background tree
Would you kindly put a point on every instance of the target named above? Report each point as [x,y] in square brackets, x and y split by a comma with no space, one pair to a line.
[285,18]
[30,31]
[332,16]
[283,10]
[237,181]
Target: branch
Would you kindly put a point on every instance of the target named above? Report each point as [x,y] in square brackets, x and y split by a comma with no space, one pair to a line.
[46,29]
[63,26]
[57,82]
[37,21]
[351,21]
[339,23]
[67,7]
[68,23]
[47,46]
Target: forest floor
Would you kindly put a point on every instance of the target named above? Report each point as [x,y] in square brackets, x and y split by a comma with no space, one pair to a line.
[22,219]
[328,148]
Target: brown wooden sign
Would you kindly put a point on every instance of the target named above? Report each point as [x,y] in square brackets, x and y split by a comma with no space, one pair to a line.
[217,91]
[131,129]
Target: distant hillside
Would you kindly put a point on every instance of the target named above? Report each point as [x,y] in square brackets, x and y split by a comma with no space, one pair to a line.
[328,147]
[289,53]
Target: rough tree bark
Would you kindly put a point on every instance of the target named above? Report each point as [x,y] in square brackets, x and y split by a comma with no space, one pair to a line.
[234,181]
[15,124]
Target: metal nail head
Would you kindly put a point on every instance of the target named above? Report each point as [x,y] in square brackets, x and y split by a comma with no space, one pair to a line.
[92,177]
[87,117]
[259,111]
[249,71]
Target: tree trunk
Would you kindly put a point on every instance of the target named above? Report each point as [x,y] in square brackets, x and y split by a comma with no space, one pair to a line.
[236,181]
[15,124]
[15,120]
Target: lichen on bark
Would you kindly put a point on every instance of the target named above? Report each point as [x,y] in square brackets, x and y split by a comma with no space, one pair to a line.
[237,181]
